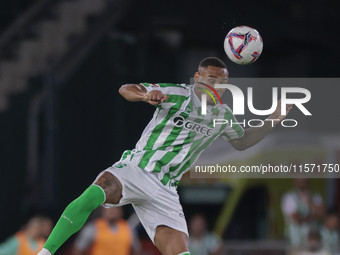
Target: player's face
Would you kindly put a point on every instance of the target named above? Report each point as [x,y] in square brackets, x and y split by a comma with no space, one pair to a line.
[211,75]
[197,225]
[33,229]
[46,228]
[332,222]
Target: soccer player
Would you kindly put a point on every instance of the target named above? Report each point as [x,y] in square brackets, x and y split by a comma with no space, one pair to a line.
[30,239]
[303,209]
[201,241]
[148,175]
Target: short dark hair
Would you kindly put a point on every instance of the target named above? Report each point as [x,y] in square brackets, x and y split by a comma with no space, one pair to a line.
[212,61]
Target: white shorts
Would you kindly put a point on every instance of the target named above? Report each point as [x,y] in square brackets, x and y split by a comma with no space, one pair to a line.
[153,204]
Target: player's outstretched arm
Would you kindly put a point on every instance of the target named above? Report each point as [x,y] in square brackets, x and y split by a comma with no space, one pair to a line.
[255,134]
[138,93]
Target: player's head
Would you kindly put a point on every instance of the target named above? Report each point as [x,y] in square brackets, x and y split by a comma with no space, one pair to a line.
[46,227]
[332,220]
[112,214]
[211,71]
[301,183]
[197,225]
[39,226]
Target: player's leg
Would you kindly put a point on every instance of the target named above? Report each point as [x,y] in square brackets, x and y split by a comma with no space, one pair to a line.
[106,189]
[163,218]
[170,241]
[111,186]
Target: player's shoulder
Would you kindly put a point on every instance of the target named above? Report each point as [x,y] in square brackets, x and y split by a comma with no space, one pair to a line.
[166,85]
[9,241]
[177,85]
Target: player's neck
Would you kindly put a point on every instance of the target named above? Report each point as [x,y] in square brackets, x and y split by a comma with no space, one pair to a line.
[198,95]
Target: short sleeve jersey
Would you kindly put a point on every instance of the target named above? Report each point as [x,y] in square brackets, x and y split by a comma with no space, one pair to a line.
[178,133]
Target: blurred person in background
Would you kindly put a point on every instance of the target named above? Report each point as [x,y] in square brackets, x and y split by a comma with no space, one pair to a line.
[313,245]
[302,209]
[330,233]
[201,242]
[30,239]
[46,226]
[107,235]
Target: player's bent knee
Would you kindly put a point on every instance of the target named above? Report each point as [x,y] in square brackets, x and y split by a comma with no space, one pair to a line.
[92,198]
[111,186]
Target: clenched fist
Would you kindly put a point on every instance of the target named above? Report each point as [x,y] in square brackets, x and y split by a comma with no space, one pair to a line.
[155,97]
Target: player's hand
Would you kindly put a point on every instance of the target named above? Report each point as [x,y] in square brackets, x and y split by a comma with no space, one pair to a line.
[277,113]
[155,97]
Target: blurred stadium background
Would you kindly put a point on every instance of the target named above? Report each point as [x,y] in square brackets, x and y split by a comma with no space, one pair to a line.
[62,119]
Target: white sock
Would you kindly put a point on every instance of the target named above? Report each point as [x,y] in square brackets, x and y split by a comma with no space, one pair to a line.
[44,252]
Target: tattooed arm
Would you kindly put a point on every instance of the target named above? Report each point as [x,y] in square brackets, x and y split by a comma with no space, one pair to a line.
[255,134]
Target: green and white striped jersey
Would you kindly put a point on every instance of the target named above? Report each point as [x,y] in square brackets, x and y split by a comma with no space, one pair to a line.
[178,133]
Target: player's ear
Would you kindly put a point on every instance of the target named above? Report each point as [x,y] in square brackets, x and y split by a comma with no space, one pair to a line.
[196,76]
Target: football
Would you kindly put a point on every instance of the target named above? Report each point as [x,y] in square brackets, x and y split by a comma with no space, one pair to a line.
[243,45]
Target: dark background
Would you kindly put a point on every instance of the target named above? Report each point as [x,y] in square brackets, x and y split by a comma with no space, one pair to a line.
[157,41]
